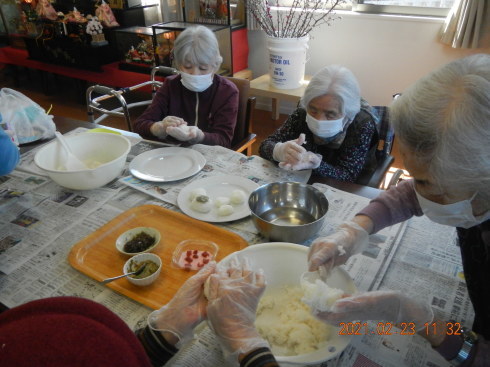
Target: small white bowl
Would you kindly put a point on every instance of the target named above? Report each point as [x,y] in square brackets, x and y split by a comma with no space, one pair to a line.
[131,233]
[139,258]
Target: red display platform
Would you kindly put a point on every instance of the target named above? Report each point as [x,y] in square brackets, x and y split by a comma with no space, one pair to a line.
[110,75]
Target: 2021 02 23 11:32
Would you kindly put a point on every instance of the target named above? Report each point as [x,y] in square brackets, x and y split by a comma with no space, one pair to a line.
[402,328]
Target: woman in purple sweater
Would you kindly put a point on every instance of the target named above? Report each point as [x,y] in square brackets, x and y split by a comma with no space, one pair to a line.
[197,106]
[442,125]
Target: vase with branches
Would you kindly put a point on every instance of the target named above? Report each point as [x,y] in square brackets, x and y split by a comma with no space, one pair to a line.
[288,31]
[294,21]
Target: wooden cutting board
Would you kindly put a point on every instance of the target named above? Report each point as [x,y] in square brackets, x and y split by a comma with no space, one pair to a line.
[96,255]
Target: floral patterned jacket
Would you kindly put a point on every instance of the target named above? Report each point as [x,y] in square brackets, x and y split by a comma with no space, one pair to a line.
[344,162]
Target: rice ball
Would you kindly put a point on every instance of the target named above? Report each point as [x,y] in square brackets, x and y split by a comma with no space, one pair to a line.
[197,192]
[202,204]
[185,129]
[221,200]
[238,197]
[225,210]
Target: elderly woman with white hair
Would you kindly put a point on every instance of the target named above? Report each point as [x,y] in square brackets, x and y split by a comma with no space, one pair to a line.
[333,131]
[443,128]
[197,106]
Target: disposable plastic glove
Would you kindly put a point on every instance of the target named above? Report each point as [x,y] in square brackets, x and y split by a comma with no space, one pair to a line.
[290,151]
[233,297]
[186,309]
[388,306]
[159,129]
[190,134]
[335,249]
[309,160]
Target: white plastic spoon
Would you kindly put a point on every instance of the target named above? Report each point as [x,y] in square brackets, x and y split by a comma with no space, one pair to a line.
[72,163]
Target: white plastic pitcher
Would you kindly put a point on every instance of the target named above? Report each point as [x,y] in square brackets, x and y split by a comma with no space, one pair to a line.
[287,60]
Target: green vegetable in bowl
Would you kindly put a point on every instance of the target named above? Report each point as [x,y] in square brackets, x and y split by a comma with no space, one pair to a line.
[150,268]
[139,243]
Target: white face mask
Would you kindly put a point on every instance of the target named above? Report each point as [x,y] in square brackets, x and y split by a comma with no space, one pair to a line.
[458,214]
[196,83]
[324,128]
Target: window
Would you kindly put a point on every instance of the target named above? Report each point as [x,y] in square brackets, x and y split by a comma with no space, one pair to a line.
[438,8]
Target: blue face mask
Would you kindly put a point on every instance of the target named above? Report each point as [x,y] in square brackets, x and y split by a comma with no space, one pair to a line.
[196,83]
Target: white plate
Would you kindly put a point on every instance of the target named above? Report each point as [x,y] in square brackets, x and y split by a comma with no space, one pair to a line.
[283,264]
[216,186]
[167,164]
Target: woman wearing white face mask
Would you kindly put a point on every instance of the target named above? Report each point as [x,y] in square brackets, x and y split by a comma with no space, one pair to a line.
[197,106]
[332,132]
[442,125]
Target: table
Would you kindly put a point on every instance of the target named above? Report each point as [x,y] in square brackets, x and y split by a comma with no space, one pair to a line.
[386,262]
[261,87]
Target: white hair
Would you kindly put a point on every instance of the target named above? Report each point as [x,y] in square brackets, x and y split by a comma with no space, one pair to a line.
[444,120]
[197,45]
[337,81]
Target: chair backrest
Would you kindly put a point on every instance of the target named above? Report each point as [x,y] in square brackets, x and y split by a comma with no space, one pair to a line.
[245,112]
[385,131]
[384,159]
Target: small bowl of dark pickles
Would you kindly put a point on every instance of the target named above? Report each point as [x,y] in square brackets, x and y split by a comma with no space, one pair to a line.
[138,240]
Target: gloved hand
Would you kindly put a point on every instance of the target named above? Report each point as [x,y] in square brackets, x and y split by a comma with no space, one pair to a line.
[335,249]
[309,160]
[159,129]
[190,134]
[186,309]
[233,297]
[290,151]
[388,306]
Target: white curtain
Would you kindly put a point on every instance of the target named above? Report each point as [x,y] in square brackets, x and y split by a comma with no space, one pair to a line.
[467,24]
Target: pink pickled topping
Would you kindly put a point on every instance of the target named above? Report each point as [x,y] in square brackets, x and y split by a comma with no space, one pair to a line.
[194,259]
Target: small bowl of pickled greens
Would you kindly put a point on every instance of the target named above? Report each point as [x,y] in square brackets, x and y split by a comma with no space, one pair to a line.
[152,266]
[138,240]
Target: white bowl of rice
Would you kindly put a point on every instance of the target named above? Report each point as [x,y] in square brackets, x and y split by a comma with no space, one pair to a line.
[296,337]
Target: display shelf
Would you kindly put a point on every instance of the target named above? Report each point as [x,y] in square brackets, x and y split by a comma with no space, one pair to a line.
[135,49]
[219,12]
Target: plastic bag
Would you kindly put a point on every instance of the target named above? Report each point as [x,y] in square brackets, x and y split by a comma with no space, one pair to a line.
[26,118]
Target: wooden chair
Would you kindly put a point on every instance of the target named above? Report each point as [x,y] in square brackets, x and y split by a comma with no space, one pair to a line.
[243,138]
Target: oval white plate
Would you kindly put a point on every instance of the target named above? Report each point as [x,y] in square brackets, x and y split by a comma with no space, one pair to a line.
[216,186]
[167,164]
[283,264]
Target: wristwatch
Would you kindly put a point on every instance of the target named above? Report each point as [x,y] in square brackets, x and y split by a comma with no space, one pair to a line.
[470,338]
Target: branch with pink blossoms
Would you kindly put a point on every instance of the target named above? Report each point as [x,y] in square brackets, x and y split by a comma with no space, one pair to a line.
[294,21]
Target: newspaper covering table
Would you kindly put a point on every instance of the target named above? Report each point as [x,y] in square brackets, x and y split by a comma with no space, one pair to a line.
[40,222]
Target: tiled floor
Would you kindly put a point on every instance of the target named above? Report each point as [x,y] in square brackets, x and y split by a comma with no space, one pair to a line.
[66,102]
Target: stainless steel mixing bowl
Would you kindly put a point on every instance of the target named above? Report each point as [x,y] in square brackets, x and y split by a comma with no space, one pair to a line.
[288,211]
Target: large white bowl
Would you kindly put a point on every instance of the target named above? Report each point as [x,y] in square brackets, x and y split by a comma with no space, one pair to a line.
[110,150]
[283,263]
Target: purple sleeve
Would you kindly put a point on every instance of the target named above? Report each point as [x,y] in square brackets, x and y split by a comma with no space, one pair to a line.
[393,206]
[157,111]
[223,116]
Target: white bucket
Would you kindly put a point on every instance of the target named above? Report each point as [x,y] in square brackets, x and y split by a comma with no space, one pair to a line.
[287,60]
